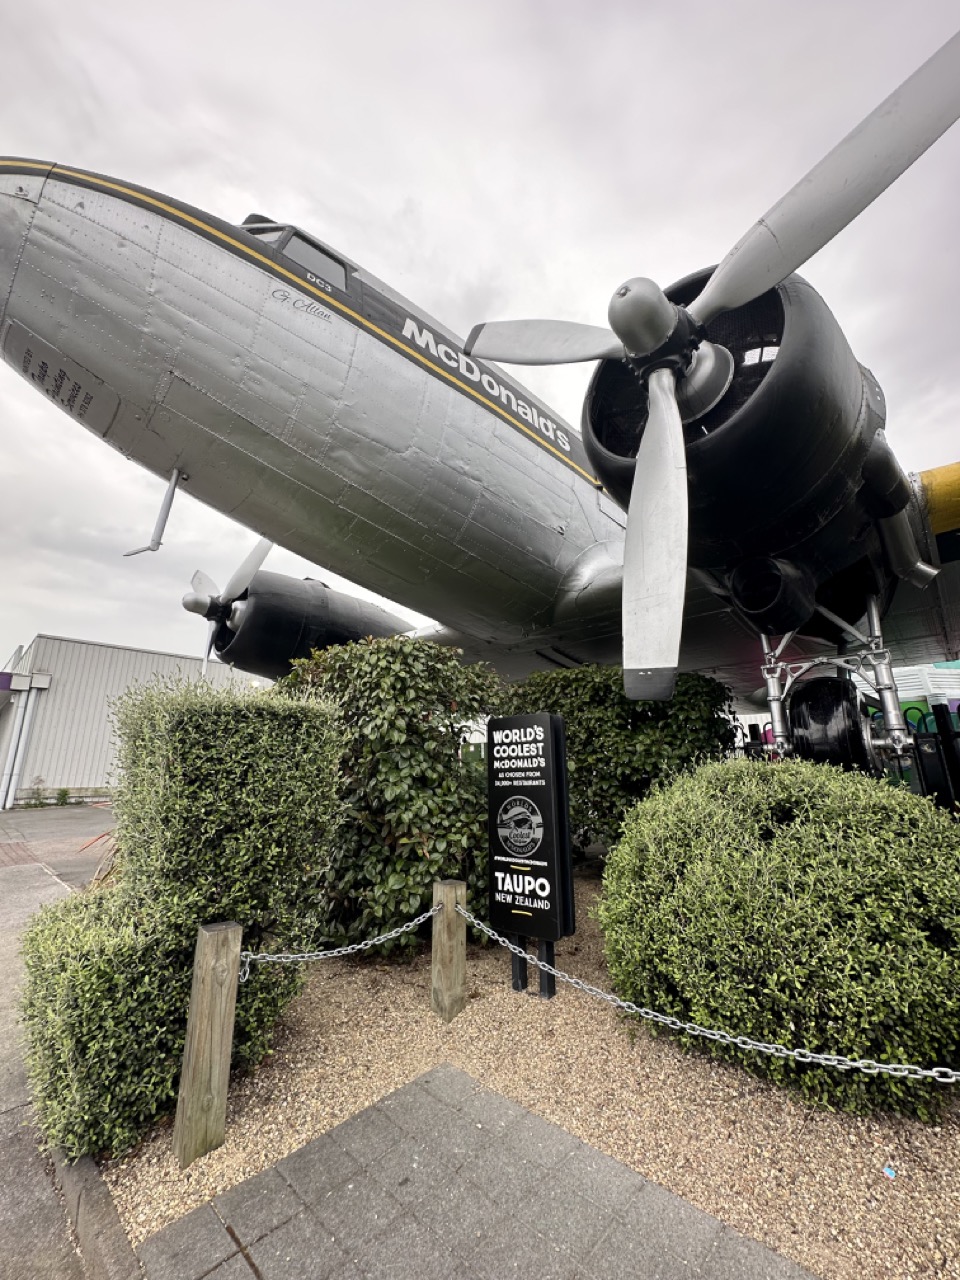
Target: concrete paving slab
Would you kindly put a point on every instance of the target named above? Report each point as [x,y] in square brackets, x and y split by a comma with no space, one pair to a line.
[315,1168]
[734,1255]
[410,1251]
[619,1254]
[377,1206]
[368,1134]
[668,1225]
[511,1247]
[235,1268]
[189,1248]
[257,1206]
[353,1218]
[35,1241]
[302,1249]
[75,823]
[545,1144]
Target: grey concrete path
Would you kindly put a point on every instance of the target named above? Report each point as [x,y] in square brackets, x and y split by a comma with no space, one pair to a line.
[445,1180]
[34,1239]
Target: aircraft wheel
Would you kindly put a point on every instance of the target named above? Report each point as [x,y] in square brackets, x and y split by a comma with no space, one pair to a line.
[829,724]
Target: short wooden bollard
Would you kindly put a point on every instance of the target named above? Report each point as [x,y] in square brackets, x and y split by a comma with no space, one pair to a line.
[202,1104]
[448,970]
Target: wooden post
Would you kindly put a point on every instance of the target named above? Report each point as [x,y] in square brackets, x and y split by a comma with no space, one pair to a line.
[448,974]
[202,1105]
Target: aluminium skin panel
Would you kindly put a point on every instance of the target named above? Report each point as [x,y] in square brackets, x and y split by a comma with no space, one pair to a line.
[336,436]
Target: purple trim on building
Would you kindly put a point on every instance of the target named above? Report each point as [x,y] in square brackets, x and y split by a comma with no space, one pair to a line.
[5,678]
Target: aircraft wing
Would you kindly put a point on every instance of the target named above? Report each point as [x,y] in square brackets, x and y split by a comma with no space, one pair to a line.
[921,626]
[719,643]
[924,626]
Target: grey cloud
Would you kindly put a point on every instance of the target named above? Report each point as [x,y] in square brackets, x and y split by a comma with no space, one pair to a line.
[495,160]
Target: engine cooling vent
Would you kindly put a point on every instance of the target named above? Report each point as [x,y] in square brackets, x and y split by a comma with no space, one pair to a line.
[752,335]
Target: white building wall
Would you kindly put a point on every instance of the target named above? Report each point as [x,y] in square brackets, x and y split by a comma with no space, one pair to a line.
[71,737]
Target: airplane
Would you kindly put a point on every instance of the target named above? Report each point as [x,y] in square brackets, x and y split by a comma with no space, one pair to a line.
[279,382]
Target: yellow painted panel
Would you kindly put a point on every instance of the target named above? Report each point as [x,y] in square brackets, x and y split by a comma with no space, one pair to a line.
[942,487]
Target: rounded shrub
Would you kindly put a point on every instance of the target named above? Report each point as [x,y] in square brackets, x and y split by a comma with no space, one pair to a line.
[795,904]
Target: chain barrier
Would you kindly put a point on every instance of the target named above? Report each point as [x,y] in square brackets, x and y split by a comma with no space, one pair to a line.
[285,957]
[943,1075]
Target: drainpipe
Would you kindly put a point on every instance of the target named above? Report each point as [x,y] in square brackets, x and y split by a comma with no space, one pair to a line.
[37,683]
[20,685]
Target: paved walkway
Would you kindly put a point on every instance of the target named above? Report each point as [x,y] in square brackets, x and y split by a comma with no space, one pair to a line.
[34,1239]
[445,1180]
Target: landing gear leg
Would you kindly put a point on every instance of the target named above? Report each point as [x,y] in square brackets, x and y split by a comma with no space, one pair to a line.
[824,718]
[894,726]
[772,671]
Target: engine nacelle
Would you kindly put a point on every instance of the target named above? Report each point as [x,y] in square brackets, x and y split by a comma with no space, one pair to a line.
[788,474]
[281,618]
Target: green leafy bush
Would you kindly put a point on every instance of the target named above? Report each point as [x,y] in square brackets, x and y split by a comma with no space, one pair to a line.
[795,904]
[615,747]
[224,804]
[414,812]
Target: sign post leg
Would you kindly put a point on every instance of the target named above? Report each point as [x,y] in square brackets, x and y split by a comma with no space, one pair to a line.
[548,983]
[518,963]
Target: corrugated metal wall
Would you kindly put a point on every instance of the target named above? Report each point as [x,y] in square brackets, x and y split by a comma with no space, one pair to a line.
[71,740]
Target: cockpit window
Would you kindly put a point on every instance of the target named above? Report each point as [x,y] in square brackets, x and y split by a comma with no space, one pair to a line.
[269,235]
[315,261]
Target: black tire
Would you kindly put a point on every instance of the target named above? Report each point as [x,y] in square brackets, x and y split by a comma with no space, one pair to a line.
[829,725]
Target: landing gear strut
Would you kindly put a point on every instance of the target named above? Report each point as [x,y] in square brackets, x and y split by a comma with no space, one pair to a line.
[824,718]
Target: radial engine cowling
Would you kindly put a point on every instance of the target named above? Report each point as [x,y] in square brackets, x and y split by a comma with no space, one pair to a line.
[281,618]
[787,475]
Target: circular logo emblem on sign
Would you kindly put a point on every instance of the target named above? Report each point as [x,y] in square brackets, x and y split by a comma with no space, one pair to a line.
[520,826]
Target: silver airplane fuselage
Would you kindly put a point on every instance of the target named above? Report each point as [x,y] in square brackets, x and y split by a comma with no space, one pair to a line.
[316,407]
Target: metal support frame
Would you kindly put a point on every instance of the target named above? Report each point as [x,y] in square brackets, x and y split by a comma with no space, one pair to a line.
[873,664]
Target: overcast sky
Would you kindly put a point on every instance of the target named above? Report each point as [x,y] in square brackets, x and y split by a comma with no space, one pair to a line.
[488,160]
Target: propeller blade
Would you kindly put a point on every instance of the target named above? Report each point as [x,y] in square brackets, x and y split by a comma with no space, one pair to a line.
[541,342]
[655,549]
[211,635]
[204,585]
[840,187]
[243,576]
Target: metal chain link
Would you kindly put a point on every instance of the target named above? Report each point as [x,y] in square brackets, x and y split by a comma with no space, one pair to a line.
[285,957]
[943,1075]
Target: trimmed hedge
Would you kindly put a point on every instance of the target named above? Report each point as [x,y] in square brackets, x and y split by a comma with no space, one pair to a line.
[615,747]
[800,905]
[225,802]
[414,812]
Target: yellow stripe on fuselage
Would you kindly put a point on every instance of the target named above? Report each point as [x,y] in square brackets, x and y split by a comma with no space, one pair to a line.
[942,489]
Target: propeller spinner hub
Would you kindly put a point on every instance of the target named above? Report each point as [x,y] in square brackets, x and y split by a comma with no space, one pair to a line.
[642,316]
[197,602]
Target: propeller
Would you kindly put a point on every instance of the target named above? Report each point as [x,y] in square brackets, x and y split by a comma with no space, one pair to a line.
[686,375]
[220,607]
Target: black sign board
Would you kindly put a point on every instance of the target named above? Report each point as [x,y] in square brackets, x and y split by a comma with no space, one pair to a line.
[531,877]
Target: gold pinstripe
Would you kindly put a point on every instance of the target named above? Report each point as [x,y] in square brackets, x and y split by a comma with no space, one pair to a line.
[303,286]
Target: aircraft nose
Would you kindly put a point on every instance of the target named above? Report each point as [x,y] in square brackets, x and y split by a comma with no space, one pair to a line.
[21,183]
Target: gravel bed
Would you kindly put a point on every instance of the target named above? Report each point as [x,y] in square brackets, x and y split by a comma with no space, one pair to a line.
[807,1183]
